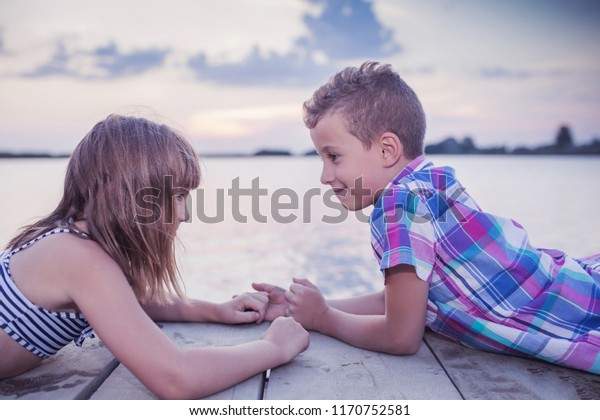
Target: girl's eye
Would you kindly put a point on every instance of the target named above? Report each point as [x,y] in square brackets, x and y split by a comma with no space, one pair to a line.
[332,156]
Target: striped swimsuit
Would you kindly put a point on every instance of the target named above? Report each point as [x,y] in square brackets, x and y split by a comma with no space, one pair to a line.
[40,331]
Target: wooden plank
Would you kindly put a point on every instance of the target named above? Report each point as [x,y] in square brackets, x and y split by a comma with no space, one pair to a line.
[331,369]
[72,373]
[121,384]
[489,376]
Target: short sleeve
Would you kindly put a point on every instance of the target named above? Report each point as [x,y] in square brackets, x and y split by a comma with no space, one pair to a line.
[402,231]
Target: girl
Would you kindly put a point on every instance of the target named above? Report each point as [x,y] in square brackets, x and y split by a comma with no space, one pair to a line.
[104,260]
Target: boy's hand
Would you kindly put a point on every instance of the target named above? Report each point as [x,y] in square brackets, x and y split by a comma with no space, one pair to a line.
[249,307]
[277,304]
[306,303]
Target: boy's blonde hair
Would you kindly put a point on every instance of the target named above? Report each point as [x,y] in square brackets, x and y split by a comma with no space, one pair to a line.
[122,179]
[372,100]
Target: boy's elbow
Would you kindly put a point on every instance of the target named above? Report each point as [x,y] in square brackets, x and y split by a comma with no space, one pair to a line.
[404,350]
[403,346]
[410,349]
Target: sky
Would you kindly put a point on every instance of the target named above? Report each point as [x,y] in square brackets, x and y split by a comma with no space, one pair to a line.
[232,74]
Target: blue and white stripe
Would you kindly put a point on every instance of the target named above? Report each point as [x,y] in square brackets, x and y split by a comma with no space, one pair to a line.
[39,330]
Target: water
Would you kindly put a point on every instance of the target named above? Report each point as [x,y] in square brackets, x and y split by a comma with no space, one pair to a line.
[555,198]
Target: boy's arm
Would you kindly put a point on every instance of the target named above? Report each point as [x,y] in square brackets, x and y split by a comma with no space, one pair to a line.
[398,331]
[369,304]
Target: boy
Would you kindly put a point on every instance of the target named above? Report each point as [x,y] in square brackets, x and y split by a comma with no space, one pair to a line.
[447,265]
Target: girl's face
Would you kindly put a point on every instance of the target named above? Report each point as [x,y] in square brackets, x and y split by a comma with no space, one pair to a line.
[353,172]
[181,211]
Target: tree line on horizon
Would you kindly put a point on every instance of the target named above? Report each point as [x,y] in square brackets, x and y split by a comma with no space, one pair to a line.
[563,145]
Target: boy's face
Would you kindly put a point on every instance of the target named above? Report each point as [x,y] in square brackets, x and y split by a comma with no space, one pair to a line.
[353,172]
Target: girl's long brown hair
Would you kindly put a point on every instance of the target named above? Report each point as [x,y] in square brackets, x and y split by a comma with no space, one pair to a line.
[122,180]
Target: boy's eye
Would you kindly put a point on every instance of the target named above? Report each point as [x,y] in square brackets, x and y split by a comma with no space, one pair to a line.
[332,156]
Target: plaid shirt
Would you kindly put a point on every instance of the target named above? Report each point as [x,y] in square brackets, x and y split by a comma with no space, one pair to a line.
[488,287]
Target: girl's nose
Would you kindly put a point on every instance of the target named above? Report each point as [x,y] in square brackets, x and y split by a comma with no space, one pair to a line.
[186,214]
[181,209]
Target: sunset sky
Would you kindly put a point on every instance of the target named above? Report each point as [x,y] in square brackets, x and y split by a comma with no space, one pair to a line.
[232,74]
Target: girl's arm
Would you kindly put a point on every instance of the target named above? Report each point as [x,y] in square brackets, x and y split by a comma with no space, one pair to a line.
[249,307]
[100,290]
[398,331]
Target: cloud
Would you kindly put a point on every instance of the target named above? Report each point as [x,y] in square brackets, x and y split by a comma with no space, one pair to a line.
[105,62]
[117,64]
[333,31]
[296,68]
[504,73]
[343,30]
[3,50]
[347,30]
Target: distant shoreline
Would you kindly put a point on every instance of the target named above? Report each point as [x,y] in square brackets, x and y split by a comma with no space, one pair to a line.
[8,155]
[563,145]
[32,155]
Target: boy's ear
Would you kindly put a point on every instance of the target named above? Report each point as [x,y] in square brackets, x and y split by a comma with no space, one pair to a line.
[390,149]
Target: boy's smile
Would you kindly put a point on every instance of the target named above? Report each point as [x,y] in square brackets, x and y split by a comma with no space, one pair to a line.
[355,174]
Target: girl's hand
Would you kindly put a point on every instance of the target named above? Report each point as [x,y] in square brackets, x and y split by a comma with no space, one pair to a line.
[242,309]
[306,303]
[277,303]
[288,336]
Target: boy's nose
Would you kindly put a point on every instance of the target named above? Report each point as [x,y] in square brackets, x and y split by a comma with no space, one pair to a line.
[326,175]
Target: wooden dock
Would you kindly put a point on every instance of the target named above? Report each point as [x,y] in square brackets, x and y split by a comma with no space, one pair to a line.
[328,370]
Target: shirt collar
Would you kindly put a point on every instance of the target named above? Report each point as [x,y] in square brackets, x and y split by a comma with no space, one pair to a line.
[414,165]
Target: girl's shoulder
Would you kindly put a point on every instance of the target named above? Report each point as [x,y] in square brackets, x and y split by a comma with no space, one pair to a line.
[49,269]
[63,245]
[76,254]
[65,255]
